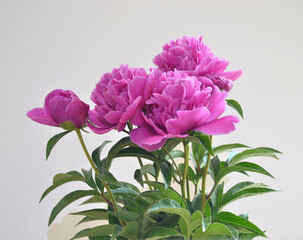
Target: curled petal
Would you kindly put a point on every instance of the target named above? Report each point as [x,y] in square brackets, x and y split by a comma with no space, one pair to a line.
[76,112]
[147,138]
[219,126]
[39,115]
[97,125]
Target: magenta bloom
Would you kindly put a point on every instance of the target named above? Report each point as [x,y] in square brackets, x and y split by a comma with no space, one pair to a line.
[115,103]
[60,106]
[178,105]
[192,56]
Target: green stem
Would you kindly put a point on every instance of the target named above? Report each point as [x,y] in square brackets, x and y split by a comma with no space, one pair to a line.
[145,175]
[172,159]
[111,196]
[186,160]
[203,193]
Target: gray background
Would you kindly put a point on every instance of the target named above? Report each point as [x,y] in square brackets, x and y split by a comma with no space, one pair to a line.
[46,45]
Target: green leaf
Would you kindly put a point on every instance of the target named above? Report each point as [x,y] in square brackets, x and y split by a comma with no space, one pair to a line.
[52,142]
[216,229]
[106,176]
[169,192]
[195,221]
[117,229]
[62,178]
[125,215]
[175,154]
[173,207]
[88,174]
[192,175]
[131,230]
[104,237]
[214,167]
[240,167]
[122,143]
[203,140]
[255,152]
[97,214]
[167,173]
[96,154]
[96,231]
[238,222]
[94,199]
[169,146]
[248,236]
[235,105]
[216,198]
[228,148]
[148,168]
[156,233]
[125,185]
[137,152]
[242,190]
[124,190]
[138,177]
[69,198]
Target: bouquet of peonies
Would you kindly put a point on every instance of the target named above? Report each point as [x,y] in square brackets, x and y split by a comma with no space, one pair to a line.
[177,105]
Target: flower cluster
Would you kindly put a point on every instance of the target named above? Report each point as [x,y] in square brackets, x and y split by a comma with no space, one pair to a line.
[185,93]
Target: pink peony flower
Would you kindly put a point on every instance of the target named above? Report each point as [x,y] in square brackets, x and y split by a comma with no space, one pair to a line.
[178,105]
[61,106]
[192,56]
[115,103]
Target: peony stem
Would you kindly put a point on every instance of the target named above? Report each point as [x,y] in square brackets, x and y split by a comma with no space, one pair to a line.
[186,162]
[203,193]
[111,196]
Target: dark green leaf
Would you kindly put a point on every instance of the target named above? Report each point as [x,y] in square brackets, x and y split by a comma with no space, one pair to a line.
[192,175]
[69,198]
[96,231]
[216,198]
[214,167]
[100,214]
[169,146]
[125,215]
[61,179]
[167,173]
[203,140]
[96,154]
[236,221]
[175,154]
[215,229]
[137,152]
[88,174]
[117,229]
[131,231]
[148,168]
[52,142]
[235,105]
[138,177]
[106,176]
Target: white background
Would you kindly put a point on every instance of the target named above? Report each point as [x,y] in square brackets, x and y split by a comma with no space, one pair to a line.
[52,44]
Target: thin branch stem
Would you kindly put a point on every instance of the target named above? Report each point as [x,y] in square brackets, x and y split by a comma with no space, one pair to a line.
[176,166]
[114,204]
[203,193]
[186,160]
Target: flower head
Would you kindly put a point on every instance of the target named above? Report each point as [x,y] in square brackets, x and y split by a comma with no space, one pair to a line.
[179,104]
[192,56]
[61,108]
[115,103]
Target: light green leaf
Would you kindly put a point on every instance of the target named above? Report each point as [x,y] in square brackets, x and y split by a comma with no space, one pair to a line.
[242,166]
[195,221]
[156,233]
[255,152]
[215,229]
[52,142]
[228,148]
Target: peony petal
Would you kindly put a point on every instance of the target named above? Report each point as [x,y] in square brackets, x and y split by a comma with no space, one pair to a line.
[113,117]
[39,115]
[187,121]
[136,87]
[50,96]
[147,138]
[218,104]
[232,75]
[219,126]
[76,112]
[57,107]
[99,127]
[128,114]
